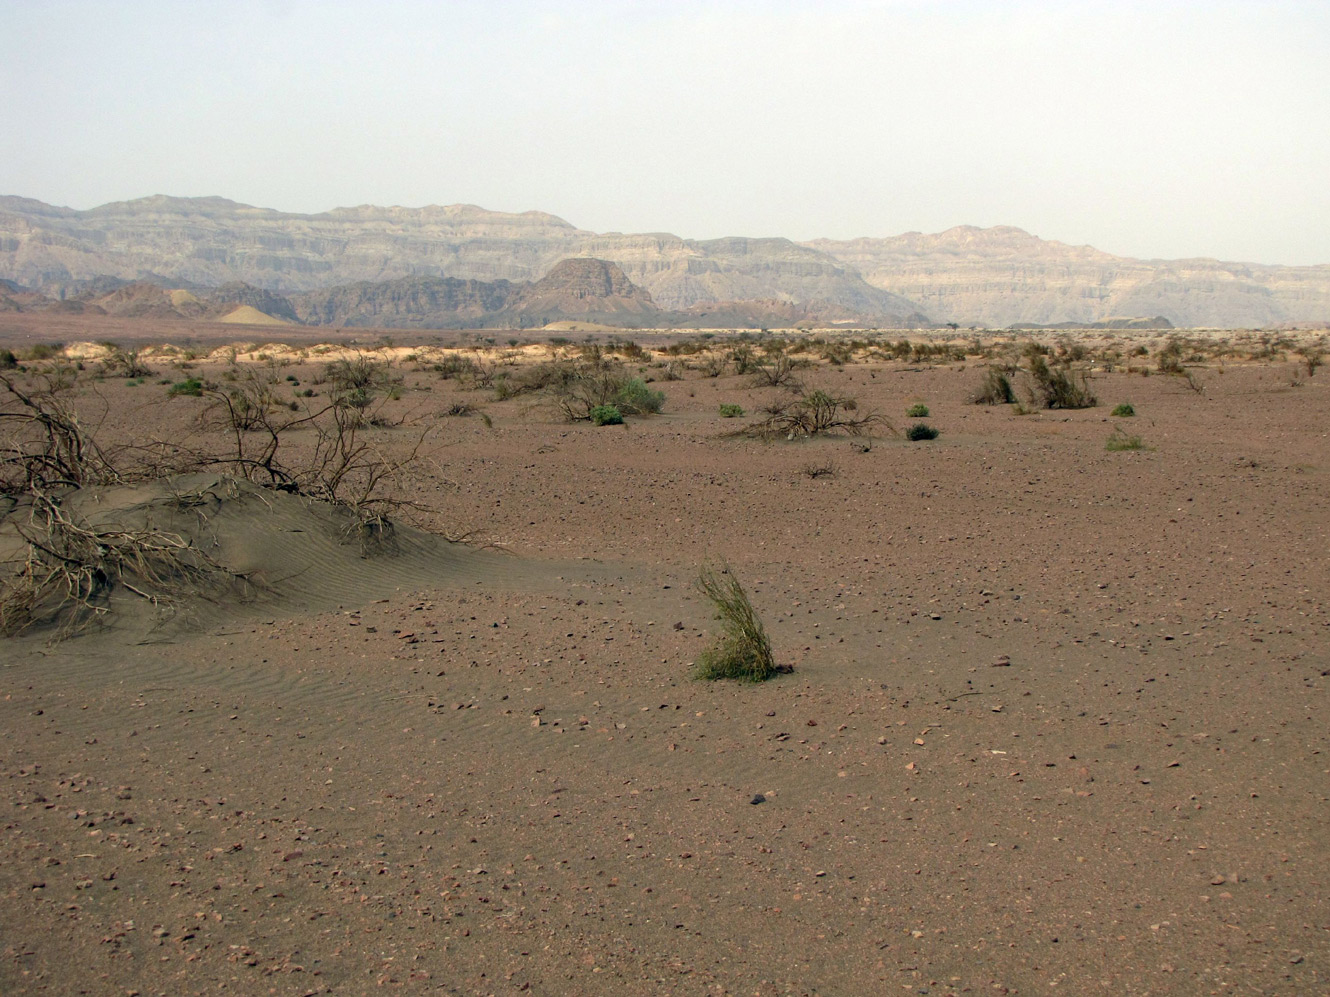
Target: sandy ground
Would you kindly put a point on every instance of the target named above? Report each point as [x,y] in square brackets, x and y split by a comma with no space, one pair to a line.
[1056,724]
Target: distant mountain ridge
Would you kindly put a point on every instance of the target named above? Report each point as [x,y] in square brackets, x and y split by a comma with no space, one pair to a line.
[991,277]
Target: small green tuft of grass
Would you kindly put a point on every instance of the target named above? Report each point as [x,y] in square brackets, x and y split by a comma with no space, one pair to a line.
[192,388]
[1123,411]
[606,415]
[730,411]
[917,411]
[743,650]
[1118,441]
[922,431]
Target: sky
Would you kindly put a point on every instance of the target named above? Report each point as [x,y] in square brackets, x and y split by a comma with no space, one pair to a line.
[1158,130]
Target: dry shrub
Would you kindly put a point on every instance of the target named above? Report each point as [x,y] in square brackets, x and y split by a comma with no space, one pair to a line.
[1060,387]
[743,650]
[70,569]
[778,371]
[994,389]
[46,445]
[812,413]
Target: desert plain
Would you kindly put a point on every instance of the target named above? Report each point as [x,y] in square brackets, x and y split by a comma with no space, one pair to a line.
[1056,721]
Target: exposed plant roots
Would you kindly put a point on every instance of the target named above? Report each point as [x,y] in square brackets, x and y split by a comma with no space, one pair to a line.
[70,569]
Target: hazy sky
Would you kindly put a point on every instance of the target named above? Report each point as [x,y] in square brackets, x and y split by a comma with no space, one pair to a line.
[1161,129]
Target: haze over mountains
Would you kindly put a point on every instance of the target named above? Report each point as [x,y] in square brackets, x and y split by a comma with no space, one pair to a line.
[462,265]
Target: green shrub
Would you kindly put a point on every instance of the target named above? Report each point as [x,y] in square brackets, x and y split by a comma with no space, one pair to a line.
[917,411]
[192,388]
[636,398]
[1118,440]
[1123,411]
[995,389]
[606,415]
[7,360]
[743,650]
[922,431]
[729,411]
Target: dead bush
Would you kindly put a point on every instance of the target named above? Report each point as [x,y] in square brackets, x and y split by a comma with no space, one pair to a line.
[812,413]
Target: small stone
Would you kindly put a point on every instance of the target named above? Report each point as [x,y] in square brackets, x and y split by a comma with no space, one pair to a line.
[758,798]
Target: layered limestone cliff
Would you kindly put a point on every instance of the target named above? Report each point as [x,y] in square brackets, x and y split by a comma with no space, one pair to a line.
[213,241]
[992,277]
[1003,276]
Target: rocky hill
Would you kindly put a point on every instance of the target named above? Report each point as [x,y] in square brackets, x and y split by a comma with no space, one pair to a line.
[577,289]
[1003,276]
[992,277]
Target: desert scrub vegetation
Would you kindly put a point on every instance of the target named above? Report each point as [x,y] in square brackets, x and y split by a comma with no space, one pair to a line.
[742,651]
[777,370]
[45,445]
[921,431]
[917,411]
[587,387]
[606,415]
[813,413]
[729,410]
[190,387]
[1059,386]
[1123,410]
[127,363]
[1119,441]
[70,569]
[994,389]
[358,382]
[69,566]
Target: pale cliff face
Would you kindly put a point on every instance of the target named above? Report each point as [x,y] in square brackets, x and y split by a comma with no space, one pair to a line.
[1004,276]
[994,277]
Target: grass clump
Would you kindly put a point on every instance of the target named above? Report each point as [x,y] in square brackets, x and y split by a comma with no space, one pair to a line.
[743,650]
[917,411]
[606,415]
[1123,411]
[1059,387]
[995,389]
[190,387]
[730,411]
[1119,441]
[922,431]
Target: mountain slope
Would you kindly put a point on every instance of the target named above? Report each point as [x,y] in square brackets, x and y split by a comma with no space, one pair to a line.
[1002,276]
[212,241]
[994,277]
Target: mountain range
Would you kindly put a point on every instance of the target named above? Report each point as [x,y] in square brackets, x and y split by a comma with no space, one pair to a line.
[463,265]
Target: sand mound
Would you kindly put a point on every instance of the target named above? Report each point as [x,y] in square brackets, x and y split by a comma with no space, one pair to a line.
[180,298]
[574,326]
[265,551]
[249,315]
